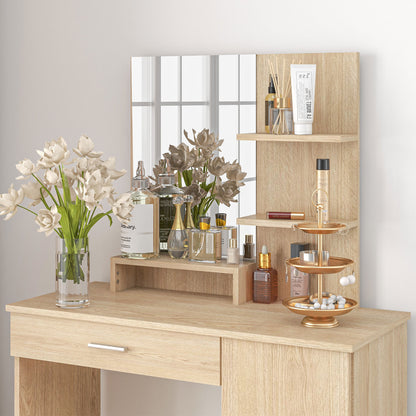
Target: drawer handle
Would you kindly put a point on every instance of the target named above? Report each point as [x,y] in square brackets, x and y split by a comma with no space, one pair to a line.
[107,347]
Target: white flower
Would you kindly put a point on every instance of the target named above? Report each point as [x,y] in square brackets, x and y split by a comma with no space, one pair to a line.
[32,191]
[26,168]
[10,201]
[110,166]
[122,208]
[94,188]
[54,153]
[86,147]
[48,220]
[51,177]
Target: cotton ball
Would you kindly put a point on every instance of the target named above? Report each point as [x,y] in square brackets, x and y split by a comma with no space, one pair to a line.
[344,281]
[324,306]
[316,305]
[352,279]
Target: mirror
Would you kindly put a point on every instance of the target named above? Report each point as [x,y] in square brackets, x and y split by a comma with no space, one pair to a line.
[170,94]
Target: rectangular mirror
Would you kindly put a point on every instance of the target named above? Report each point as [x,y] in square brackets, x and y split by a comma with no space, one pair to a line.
[170,94]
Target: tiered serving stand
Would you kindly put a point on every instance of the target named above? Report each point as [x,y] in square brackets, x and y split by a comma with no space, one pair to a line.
[319,318]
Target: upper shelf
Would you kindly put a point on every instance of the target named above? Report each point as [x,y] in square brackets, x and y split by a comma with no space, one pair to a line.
[260,220]
[308,138]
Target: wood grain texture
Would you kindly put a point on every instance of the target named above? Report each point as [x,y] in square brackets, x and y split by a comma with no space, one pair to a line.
[380,376]
[185,276]
[172,355]
[269,380]
[309,138]
[215,316]
[50,389]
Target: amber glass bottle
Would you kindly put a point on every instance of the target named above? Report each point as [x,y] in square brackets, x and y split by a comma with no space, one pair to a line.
[264,280]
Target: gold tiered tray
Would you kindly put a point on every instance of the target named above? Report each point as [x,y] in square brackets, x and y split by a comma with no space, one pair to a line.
[314,228]
[335,265]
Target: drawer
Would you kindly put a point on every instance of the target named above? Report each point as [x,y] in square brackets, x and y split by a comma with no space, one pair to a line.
[157,353]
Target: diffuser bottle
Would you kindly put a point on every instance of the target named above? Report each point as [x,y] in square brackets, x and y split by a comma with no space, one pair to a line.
[140,237]
[264,279]
[178,236]
[166,191]
[269,105]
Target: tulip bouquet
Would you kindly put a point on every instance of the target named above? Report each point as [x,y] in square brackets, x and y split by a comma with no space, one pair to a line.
[201,172]
[70,193]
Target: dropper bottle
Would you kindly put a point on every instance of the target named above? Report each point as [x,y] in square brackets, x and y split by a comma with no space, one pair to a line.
[264,279]
[140,237]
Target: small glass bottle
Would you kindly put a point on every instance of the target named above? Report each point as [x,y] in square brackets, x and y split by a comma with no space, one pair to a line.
[299,281]
[166,191]
[178,237]
[233,254]
[140,237]
[269,104]
[249,248]
[264,280]
[204,243]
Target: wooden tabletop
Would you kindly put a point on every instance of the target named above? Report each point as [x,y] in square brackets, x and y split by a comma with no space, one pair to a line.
[217,316]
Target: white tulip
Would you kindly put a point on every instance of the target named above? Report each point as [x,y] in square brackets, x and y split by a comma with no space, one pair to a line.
[54,153]
[122,208]
[110,165]
[10,201]
[32,191]
[48,220]
[26,168]
[86,147]
[94,188]
[51,177]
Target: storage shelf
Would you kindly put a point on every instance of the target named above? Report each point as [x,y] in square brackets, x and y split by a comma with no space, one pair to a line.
[308,138]
[260,220]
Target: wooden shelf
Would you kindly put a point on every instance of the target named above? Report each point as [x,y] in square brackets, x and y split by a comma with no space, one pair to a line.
[309,138]
[260,220]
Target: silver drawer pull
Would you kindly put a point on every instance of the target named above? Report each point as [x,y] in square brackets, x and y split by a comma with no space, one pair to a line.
[107,347]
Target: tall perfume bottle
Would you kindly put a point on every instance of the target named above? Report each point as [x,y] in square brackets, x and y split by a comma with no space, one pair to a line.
[189,222]
[299,281]
[204,243]
[178,236]
[322,185]
[166,191]
[264,280]
[140,237]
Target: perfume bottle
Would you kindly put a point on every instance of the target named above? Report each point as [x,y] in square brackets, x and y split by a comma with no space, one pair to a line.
[322,185]
[299,281]
[166,190]
[227,232]
[189,222]
[140,237]
[233,253]
[204,243]
[178,236]
[264,279]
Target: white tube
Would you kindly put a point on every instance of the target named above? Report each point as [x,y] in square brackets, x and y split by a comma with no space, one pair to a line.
[303,96]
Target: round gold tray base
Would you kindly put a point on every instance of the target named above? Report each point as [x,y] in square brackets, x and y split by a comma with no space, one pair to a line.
[327,322]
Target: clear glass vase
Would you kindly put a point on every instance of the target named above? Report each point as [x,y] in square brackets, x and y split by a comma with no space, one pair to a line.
[72,273]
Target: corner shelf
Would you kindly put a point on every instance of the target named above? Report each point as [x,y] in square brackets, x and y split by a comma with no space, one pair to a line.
[260,220]
[163,272]
[309,138]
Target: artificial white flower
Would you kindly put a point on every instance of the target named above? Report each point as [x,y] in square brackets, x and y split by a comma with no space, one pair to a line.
[86,147]
[48,220]
[110,166]
[122,208]
[26,167]
[94,188]
[32,191]
[51,177]
[54,153]
[10,201]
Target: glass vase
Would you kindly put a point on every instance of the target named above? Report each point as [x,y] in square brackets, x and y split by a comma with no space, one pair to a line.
[72,273]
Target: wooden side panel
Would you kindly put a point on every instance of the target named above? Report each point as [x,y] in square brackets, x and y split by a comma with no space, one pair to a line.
[269,380]
[380,376]
[50,389]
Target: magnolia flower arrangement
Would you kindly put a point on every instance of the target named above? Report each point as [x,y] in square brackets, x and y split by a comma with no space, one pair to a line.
[203,174]
[70,192]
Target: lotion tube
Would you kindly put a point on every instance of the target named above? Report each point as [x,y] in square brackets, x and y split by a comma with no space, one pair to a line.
[303,96]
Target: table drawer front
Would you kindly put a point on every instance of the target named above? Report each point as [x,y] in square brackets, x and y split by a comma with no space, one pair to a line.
[173,355]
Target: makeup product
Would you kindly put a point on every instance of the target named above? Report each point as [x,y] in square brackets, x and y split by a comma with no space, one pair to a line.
[264,279]
[249,248]
[269,104]
[178,236]
[299,281]
[303,96]
[166,190]
[311,257]
[204,245]
[233,253]
[322,186]
[221,219]
[282,215]
[140,237]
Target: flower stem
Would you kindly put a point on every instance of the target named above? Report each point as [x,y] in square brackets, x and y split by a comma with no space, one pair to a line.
[27,209]
[46,189]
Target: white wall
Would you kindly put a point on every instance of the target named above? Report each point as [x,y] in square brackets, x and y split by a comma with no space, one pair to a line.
[64,70]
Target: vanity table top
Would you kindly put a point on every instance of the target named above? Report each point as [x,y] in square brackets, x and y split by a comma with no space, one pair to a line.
[217,316]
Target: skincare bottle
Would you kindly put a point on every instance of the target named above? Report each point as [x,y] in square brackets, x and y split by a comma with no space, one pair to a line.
[204,243]
[299,281]
[249,248]
[269,105]
[140,237]
[264,280]
[233,254]
[178,236]
[322,186]
[227,232]
[166,190]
